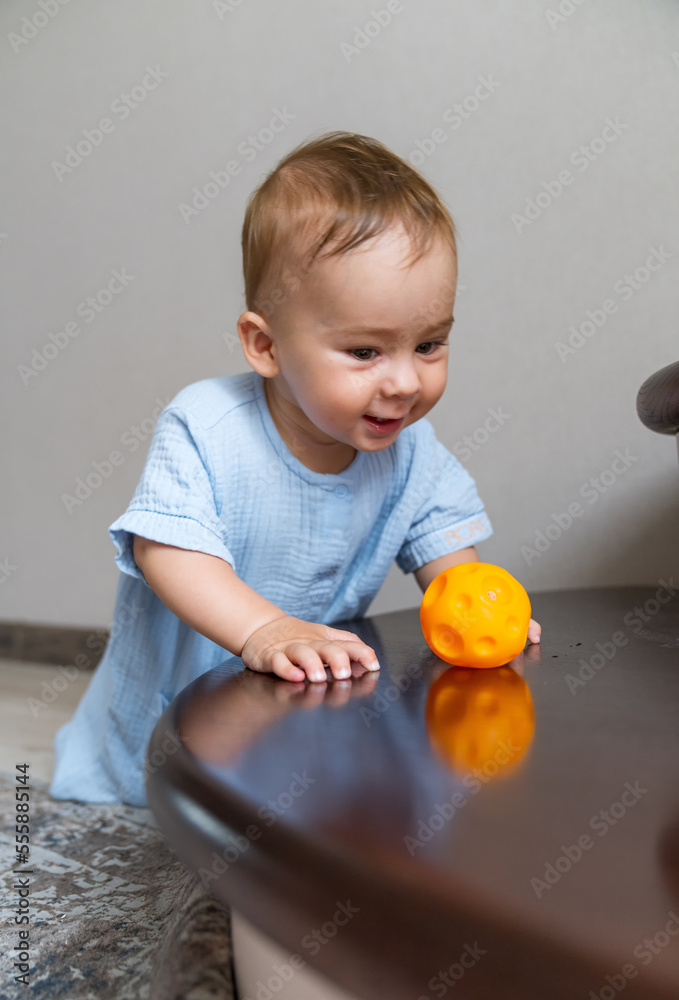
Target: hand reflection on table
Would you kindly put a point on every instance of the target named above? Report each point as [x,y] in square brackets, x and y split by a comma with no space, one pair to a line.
[480,719]
[222,720]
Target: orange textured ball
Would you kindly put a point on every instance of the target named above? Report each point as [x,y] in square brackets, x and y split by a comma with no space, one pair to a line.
[475,615]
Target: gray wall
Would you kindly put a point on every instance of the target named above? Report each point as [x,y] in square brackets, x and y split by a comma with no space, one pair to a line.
[220,73]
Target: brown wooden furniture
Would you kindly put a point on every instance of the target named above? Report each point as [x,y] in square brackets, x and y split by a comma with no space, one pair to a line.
[547,870]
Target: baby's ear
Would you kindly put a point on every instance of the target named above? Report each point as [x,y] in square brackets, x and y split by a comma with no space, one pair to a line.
[258,344]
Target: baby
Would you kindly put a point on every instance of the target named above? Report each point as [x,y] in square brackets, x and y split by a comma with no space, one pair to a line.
[273,503]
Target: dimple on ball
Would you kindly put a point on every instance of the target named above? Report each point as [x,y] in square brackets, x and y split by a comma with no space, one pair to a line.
[475,615]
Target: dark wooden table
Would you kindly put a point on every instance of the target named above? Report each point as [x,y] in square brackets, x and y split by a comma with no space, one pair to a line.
[513,833]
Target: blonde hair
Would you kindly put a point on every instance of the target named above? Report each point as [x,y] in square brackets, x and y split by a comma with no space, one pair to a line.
[326,197]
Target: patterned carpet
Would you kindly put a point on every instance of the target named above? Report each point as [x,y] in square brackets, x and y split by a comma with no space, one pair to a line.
[113,914]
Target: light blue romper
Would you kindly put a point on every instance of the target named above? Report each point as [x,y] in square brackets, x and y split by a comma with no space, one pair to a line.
[220,479]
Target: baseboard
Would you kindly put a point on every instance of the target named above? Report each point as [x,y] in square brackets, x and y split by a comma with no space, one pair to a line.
[54,644]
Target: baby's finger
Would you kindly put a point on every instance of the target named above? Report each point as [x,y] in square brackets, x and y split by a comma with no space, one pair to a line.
[282,667]
[310,662]
[534,631]
[362,654]
[337,658]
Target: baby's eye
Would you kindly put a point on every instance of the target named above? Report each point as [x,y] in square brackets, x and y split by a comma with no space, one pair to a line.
[360,352]
[433,344]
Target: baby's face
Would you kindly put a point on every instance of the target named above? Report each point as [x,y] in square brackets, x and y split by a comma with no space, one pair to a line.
[365,337]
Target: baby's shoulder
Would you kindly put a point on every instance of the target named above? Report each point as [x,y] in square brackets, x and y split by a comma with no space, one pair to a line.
[207,402]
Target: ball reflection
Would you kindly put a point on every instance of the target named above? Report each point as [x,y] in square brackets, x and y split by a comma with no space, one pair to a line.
[480,719]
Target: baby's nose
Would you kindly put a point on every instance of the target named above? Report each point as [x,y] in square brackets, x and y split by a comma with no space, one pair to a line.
[402,380]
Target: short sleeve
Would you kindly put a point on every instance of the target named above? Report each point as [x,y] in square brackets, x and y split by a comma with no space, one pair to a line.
[174,502]
[450,515]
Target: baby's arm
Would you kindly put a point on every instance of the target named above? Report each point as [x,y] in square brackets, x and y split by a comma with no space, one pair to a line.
[205,592]
[425,574]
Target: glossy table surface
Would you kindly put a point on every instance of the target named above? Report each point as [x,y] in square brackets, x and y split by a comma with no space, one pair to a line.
[509,833]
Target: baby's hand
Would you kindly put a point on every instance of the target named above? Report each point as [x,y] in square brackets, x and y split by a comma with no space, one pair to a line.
[293,649]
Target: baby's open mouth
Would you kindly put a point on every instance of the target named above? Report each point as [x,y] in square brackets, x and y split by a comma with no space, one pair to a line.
[383,425]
